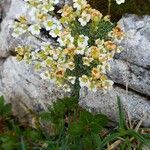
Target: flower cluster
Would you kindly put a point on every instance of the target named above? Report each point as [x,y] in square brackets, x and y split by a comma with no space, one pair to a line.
[85,43]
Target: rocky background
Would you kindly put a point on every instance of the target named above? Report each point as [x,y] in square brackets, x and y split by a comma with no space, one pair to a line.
[130,71]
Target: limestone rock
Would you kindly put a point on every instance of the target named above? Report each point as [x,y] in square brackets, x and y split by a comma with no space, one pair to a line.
[137,41]
[21,85]
[135,105]
[129,74]
[132,66]
[7,42]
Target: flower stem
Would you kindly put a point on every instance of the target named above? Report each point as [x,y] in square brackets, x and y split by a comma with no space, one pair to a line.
[109,6]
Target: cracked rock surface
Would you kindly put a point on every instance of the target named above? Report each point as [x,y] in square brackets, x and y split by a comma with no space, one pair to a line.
[20,84]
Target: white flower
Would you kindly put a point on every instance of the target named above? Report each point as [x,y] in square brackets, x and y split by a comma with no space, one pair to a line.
[85,18]
[55,1]
[66,88]
[72,79]
[108,84]
[34,29]
[80,51]
[83,41]
[70,65]
[48,7]
[119,49]
[51,24]
[44,75]
[55,53]
[66,40]
[120,1]
[56,31]
[84,81]
[79,4]
[99,43]
[87,61]
[46,46]
[18,29]
[93,88]
[17,32]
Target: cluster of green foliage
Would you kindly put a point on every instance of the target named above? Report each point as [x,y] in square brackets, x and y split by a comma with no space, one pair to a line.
[139,7]
[95,31]
[71,128]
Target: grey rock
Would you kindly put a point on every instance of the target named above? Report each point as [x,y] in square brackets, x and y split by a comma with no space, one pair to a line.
[132,66]
[137,41]
[21,85]
[4,7]
[128,74]
[136,106]
[63,2]
[7,42]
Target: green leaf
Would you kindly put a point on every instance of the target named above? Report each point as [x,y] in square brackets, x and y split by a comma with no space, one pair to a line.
[125,144]
[146,136]
[45,116]
[59,108]
[8,142]
[75,129]
[7,110]
[23,146]
[32,134]
[109,138]
[121,115]
[101,119]
[97,141]
[16,128]
[95,127]
[71,103]
[87,142]
[86,117]
[1,103]
[138,137]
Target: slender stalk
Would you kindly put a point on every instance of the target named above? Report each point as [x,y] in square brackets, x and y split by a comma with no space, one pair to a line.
[109,7]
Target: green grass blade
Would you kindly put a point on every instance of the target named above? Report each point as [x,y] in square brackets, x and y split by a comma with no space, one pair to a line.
[138,137]
[121,114]
[23,147]
[109,138]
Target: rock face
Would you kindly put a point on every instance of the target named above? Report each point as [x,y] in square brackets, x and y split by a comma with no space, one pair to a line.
[21,85]
[136,106]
